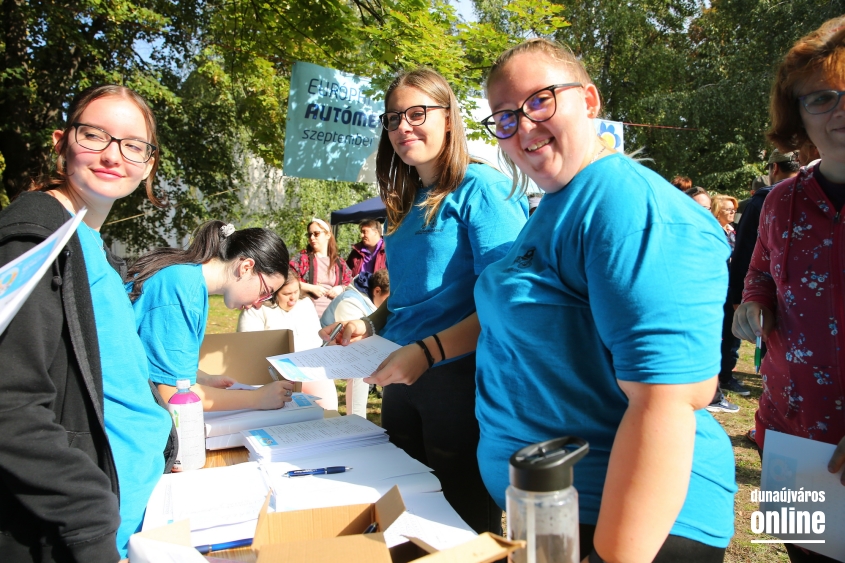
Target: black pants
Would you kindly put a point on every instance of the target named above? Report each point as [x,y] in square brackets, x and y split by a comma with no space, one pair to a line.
[674,550]
[730,344]
[434,421]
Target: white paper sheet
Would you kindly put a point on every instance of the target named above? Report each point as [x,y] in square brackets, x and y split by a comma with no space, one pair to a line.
[208,498]
[20,276]
[793,464]
[430,517]
[359,359]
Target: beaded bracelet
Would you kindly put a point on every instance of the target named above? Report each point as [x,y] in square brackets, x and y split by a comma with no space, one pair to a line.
[439,345]
[428,355]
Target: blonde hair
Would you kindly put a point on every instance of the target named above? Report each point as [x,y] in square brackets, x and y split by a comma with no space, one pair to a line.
[822,50]
[717,204]
[558,53]
[397,181]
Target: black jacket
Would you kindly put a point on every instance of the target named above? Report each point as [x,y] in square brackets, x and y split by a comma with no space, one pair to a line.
[58,482]
[746,240]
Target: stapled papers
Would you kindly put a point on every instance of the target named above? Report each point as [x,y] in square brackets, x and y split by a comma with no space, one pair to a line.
[292,441]
[223,429]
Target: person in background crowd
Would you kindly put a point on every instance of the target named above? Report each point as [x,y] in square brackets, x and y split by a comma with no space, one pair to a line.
[77,410]
[724,209]
[448,219]
[700,196]
[362,297]
[169,289]
[321,271]
[683,183]
[368,255]
[795,278]
[781,166]
[287,311]
[583,331]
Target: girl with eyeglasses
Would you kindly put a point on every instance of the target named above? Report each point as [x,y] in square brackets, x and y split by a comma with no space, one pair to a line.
[322,272]
[76,407]
[584,332]
[169,289]
[448,218]
[796,275]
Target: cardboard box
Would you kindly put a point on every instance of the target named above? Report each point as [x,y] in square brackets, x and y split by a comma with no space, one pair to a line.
[330,535]
[335,534]
[243,355]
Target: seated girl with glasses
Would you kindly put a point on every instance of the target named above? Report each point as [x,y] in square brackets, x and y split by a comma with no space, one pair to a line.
[77,409]
[169,289]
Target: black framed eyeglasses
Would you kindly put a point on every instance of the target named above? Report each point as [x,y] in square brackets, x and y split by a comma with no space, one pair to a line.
[414,115]
[538,107]
[822,101]
[95,139]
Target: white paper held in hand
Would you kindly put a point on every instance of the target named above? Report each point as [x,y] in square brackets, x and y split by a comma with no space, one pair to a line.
[358,360]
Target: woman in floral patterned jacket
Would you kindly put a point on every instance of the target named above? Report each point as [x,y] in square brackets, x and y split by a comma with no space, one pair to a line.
[797,274]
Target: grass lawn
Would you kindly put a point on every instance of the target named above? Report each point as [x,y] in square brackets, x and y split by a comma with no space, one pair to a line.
[741,550]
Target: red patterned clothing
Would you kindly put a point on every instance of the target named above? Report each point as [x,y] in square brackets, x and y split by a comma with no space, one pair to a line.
[798,272]
[304,266]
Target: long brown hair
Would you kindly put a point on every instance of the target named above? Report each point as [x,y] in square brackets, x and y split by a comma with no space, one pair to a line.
[58,178]
[331,245]
[263,246]
[822,50]
[398,182]
[555,51]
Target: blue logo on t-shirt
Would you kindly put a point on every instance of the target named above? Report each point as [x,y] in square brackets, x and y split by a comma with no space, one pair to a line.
[525,260]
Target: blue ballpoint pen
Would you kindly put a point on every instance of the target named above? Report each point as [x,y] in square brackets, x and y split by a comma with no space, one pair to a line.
[318,471]
[225,545]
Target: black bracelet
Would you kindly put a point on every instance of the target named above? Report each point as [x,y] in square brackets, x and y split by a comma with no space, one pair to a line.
[595,557]
[439,345]
[428,355]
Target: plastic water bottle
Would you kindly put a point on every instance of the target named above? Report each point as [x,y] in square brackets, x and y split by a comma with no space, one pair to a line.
[186,409]
[542,504]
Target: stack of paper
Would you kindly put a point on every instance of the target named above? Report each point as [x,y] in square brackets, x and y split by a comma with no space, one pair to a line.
[293,441]
[222,504]
[223,429]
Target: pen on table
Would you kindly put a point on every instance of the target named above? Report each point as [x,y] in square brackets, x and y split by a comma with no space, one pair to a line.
[758,349]
[225,545]
[333,335]
[318,471]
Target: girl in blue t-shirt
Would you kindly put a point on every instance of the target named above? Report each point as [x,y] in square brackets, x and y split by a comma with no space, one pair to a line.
[169,289]
[76,406]
[448,219]
[585,333]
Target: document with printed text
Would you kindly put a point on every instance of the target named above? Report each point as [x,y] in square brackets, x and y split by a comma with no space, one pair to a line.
[358,360]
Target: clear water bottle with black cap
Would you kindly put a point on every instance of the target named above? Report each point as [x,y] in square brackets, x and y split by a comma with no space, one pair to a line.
[542,504]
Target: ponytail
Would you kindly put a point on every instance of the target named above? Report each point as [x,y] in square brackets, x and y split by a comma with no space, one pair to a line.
[214,239]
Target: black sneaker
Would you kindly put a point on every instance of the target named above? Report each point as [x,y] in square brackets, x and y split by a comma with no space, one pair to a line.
[735,386]
[723,406]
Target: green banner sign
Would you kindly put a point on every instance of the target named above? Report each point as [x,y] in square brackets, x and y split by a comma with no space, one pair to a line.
[332,128]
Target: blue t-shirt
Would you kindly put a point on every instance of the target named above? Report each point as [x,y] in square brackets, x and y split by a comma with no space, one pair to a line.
[617,276]
[433,268]
[136,425]
[170,316]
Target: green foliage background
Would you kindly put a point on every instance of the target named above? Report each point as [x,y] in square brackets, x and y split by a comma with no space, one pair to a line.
[217,75]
